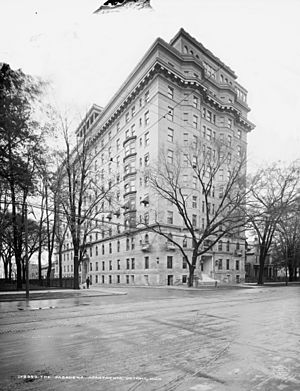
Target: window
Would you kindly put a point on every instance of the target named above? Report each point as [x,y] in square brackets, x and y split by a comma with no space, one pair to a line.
[146,160]
[169,262]
[146,138]
[132,243]
[195,101]
[184,279]
[239,151]
[204,131]
[220,264]
[146,259]
[227,264]
[195,121]
[239,134]
[208,115]
[103,279]
[132,263]
[103,265]
[110,265]
[195,142]
[110,248]
[146,217]
[147,97]
[170,92]
[91,252]
[96,246]
[220,245]
[127,117]
[118,264]
[237,265]
[194,202]
[170,135]
[170,114]
[127,263]
[170,156]
[96,279]
[118,279]
[127,279]
[146,117]
[229,138]
[127,244]
[194,220]
[118,246]
[184,263]
[194,182]
[229,123]
[133,111]
[118,127]
[208,134]
[228,245]
[169,217]
[221,174]
[132,279]
[109,279]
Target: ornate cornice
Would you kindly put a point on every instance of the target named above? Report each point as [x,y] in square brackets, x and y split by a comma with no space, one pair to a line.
[159,68]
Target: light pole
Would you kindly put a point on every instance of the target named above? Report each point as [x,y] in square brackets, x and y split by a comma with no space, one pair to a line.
[26,251]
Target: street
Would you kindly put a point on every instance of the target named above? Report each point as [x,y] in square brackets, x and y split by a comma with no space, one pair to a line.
[130,339]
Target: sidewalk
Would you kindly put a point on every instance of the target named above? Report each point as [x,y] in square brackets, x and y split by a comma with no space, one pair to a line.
[57,294]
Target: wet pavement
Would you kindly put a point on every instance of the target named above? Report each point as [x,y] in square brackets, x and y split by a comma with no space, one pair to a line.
[153,339]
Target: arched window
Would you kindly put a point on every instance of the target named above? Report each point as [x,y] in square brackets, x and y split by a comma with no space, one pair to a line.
[185,50]
[146,238]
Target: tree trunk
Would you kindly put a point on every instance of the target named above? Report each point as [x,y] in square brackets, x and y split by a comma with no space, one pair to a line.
[49,271]
[192,268]
[10,269]
[262,258]
[76,267]
[60,265]
[5,265]
[19,273]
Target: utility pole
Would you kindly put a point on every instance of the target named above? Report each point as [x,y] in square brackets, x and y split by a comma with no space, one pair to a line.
[26,251]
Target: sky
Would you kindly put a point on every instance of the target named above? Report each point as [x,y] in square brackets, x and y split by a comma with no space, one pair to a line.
[86,57]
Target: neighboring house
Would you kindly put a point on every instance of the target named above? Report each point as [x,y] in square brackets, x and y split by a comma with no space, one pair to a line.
[252,264]
[177,93]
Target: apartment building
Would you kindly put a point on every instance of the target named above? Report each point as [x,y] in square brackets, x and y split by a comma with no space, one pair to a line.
[178,93]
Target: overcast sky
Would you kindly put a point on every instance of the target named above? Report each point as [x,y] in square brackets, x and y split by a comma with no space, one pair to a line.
[87,57]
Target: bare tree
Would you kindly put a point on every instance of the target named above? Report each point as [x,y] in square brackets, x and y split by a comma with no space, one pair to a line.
[272,192]
[206,187]
[286,248]
[80,197]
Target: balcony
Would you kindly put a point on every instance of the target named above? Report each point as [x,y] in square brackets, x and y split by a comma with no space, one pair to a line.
[130,138]
[129,174]
[145,246]
[170,245]
[129,192]
[132,154]
[238,253]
